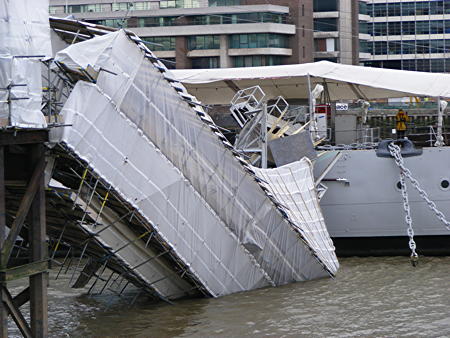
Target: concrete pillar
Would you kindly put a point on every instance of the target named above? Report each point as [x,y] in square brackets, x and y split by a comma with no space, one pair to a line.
[355,32]
[345,29]
[224,59]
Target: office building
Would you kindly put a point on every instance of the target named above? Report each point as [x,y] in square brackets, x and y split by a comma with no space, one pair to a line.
[337,35]
[208,33]
[409,35]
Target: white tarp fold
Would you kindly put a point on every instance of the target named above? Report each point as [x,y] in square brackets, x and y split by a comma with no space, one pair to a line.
[344,82]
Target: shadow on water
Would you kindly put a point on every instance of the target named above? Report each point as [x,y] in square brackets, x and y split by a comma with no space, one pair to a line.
[369,297]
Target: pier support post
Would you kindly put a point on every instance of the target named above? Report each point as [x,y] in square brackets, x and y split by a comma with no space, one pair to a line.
[38,251]
[32,209]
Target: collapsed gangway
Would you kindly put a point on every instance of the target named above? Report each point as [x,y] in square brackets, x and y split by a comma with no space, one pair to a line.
[143,188]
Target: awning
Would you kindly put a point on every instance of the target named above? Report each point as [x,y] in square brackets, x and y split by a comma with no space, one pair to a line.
[344,82]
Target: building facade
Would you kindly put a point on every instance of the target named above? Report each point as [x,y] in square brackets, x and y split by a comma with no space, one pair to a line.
[336,30]
[208,33]
[409,35]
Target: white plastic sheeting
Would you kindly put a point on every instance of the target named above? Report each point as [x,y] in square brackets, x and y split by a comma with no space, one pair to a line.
[214,207]
[23,75]
[24,28]
[344,82]
[123,155]
[293,187]
[24,32]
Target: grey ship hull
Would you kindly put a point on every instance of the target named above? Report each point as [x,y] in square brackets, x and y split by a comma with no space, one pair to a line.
[364,213]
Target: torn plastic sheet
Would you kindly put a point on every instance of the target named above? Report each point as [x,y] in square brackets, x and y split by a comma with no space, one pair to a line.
[23,76]
[25,28]
[293,187]
[191,142]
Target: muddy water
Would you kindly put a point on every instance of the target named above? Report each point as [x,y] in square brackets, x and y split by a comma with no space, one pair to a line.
[371,297]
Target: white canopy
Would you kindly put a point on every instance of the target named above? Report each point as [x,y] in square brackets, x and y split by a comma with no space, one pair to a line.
[344,82]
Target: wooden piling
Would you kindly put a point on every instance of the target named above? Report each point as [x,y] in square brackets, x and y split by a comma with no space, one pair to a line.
[32,211]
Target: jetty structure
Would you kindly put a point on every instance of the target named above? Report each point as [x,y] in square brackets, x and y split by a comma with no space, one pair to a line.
[114,161]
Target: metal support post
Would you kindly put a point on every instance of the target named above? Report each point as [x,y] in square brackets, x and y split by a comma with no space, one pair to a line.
[312,115]
[38,282]
[3,309]
[264,137]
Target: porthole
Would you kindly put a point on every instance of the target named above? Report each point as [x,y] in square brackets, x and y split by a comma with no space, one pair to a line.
[399,185]
[445,184]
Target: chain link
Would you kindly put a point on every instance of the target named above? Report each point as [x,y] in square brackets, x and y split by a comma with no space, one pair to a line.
[395,151]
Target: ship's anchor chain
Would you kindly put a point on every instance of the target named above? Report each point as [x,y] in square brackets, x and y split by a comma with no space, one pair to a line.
[395,151]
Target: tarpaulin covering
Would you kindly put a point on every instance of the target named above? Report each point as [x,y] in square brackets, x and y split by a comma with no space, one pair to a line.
[293,186]
[23,75]
[173,164]
[25,28]
[344,82]
[24,35]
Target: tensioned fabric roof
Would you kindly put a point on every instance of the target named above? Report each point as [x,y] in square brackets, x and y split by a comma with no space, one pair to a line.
[344,82]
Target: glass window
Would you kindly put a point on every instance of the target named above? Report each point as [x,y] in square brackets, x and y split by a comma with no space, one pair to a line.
[409,65]
[423,46]
[380,28]
[363,8]
[142,6]
[437,65]
[325,5]
[205,62]
[213,3]
[395,47]
[446,7]
[423,8]
[75,8]
[436,27]
[436,7]
[363,46]
[380,47]
[394,28]
[160,43]
[203,42]
[56,9]
[408,8]
[326,25]
[423,65]
[256,60]
[394,9]
[409,47]
[261,40]
[422,27]
[409,27]
[363,28]
[121,6]
[379,10]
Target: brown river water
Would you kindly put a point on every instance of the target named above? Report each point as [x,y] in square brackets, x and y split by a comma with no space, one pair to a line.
[370,297]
